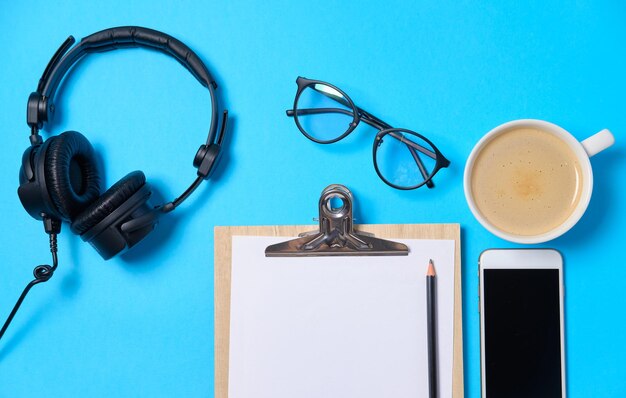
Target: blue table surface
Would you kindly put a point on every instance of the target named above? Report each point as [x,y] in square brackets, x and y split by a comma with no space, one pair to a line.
[142,324]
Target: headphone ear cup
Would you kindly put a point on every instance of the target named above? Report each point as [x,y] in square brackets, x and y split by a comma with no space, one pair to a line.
[106,204]
[72,174]
[120,218]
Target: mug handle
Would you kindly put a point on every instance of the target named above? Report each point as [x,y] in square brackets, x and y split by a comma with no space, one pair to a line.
[598,142]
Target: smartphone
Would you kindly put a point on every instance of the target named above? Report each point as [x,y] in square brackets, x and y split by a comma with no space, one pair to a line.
[521,323]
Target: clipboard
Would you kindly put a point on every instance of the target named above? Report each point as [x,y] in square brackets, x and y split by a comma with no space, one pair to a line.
[223,260]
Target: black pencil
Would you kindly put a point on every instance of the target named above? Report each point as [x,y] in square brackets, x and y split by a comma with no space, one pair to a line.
[431,311]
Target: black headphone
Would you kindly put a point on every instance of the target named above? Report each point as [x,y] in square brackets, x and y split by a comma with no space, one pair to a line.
[60,179]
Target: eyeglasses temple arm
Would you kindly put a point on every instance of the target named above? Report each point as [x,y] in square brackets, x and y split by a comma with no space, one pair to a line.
[420,165]
[414,146]
[367,118]
[381,125]
[373,120]
[315,111]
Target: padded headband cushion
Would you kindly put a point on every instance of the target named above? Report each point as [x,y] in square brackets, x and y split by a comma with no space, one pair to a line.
[131,36]
[72,174]
[124,37]
[108,202]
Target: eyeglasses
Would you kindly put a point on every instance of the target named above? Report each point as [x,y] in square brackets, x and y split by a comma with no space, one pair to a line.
[403,159]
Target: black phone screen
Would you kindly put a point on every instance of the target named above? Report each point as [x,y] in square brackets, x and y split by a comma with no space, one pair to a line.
[522,333]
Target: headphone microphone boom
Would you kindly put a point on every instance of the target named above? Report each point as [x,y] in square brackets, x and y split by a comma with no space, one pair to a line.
[60,179]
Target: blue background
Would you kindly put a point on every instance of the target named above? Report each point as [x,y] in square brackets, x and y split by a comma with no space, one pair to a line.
[142,324]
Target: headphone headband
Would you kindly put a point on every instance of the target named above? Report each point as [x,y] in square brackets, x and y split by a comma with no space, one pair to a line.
[125,37]
[40,104]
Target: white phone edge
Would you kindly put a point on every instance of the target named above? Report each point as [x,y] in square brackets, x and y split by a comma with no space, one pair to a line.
[519,259]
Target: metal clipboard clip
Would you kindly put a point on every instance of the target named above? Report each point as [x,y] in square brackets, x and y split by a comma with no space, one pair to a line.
[336,235]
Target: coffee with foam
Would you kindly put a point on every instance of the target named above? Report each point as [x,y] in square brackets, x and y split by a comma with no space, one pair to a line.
[526,181]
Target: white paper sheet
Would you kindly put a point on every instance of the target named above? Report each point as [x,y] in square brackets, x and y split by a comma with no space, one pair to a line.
[337,327]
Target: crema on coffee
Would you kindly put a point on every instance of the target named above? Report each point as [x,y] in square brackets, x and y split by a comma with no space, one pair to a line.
[526,181]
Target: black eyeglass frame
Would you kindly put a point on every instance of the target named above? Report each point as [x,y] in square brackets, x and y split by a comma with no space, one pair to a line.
[385,129]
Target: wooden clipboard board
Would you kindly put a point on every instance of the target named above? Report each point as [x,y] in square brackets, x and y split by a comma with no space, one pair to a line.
[223,258]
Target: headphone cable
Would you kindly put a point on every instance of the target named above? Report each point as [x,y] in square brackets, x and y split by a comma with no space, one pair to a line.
[42,273]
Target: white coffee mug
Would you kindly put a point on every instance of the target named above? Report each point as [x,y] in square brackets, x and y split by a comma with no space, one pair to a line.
[583,151]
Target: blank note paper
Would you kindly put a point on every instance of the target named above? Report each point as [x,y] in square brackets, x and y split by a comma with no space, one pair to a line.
[337,327]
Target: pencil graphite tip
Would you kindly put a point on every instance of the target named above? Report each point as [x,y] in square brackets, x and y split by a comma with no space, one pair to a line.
[431,269]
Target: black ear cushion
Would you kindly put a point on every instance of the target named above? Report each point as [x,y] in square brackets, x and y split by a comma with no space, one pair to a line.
[108,202]
[72,174]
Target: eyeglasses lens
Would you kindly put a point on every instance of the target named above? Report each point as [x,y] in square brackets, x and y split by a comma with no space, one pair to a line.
[404,159]
[323,112]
